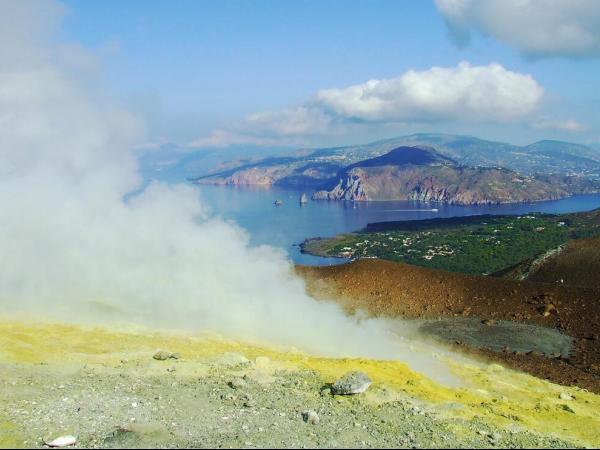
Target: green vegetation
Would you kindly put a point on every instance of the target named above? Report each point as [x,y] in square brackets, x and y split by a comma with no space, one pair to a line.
[474,245]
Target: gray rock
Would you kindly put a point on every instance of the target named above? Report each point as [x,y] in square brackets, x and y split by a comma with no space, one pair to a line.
[63,441]
[495,438]
[311,417]
[351,383]
[237,383]
[163,355]
[121,438]
[565,396]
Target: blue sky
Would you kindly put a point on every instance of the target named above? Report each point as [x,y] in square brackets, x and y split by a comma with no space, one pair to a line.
[192,67]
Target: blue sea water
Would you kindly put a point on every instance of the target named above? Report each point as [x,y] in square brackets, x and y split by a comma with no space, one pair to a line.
[287,225]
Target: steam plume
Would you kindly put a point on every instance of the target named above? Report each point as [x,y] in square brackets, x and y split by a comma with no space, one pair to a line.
[74,250]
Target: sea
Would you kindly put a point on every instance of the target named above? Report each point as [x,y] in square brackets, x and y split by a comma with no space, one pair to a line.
[290,223]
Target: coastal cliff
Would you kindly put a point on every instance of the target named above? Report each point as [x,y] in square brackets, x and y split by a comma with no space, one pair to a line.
[444,184]
[416,173]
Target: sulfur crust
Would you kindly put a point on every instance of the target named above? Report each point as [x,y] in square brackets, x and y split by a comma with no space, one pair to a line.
[499,396]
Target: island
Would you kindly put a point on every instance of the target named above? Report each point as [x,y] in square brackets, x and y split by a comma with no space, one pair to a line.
[450,170]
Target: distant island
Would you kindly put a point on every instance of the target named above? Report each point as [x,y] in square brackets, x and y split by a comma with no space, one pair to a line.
[439,168]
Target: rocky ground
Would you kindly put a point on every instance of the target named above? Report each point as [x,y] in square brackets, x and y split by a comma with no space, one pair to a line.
[388,289]
[120,409]
[577,264]
[106,389]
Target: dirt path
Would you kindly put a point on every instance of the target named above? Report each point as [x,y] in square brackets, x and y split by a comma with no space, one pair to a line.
[578,264]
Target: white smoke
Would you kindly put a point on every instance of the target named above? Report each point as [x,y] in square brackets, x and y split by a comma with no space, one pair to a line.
[74,250]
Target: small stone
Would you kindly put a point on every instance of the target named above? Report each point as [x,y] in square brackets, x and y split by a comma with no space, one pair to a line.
[311,417]
[163,355]
[565,396]
[63,441]
[549,309]
[325,392]
[351,383]
[489,322]
[121,438]
[236,383]
[249,403]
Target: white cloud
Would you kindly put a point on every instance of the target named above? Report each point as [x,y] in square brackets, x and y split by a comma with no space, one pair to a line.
[467,93]
[291,121]
[476,93]
[270,128]
[222,138]
[535,27]
[564,125]
[286,127]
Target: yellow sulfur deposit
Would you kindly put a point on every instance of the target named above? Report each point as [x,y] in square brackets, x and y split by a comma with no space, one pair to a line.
[498,396]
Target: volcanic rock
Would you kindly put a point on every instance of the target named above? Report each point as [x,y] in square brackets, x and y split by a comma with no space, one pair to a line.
[565,396]
[163,355]
[549,309]
[63,441]
[351,383]
[311,417]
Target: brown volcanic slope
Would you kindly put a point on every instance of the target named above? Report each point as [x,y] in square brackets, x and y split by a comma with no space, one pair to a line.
[390,289]
[577,265]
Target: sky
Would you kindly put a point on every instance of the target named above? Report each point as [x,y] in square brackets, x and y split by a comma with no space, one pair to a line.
[312,73]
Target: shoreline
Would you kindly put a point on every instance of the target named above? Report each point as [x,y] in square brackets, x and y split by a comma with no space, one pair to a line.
[455,243]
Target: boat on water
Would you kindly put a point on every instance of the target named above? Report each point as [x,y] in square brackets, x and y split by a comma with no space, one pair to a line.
[278,202]
[303,199]
[412,210]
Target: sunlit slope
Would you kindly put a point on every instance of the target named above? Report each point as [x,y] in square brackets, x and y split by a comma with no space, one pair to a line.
[498,396]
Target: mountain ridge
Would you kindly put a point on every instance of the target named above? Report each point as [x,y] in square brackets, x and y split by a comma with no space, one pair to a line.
[423,174]
[559,169]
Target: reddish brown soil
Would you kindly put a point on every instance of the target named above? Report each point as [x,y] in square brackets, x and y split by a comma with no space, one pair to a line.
[390,289]
[577,265]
